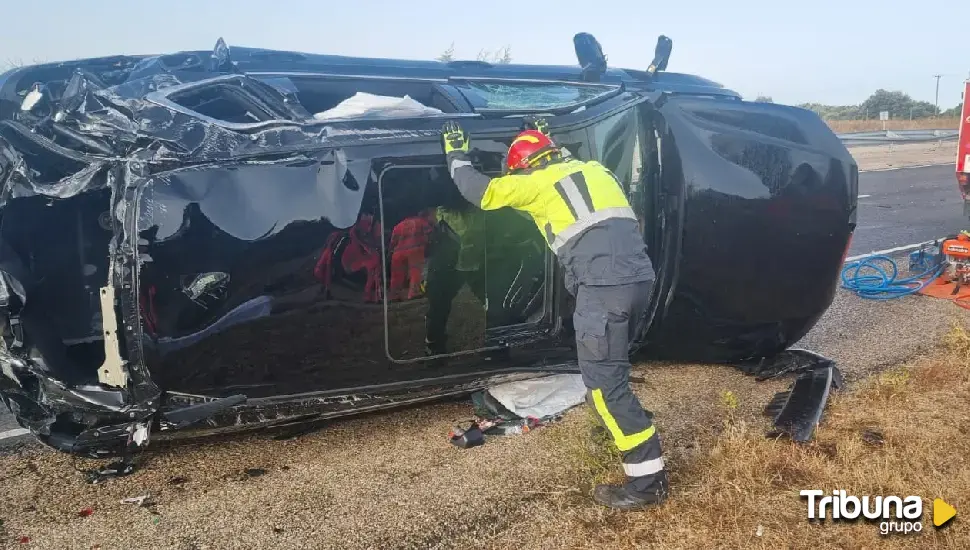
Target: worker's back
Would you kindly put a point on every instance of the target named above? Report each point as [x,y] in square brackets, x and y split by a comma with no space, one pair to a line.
[582,210]
[563,198]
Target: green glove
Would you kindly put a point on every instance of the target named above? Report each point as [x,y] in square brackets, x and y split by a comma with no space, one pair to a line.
[537,123]
[454,138]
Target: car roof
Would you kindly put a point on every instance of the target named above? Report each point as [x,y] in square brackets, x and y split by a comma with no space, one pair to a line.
[261,60]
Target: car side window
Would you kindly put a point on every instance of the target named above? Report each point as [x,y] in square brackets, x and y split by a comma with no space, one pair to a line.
[435,273]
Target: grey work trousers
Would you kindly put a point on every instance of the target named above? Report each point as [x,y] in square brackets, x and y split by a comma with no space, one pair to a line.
[605,320]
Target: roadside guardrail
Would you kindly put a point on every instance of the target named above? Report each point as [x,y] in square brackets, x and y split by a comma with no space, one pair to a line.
[882,137]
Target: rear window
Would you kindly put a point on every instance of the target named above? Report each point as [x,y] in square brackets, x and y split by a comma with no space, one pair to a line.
[527,96]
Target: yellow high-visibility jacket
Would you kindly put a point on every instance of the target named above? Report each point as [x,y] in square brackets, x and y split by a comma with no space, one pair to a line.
[564,199]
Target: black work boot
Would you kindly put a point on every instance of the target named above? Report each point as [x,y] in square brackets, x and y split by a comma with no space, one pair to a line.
[622,497]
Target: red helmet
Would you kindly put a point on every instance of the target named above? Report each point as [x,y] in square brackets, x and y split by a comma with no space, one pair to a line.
[527,148]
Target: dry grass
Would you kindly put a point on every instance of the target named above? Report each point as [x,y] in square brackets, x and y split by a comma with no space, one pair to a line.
[840,126]
[904,432]
[901,155]
[393,481]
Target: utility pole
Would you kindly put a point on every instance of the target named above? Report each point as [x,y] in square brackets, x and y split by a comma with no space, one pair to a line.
[937,77]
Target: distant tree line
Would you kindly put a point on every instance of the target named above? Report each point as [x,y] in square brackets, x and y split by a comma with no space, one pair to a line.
[899,105]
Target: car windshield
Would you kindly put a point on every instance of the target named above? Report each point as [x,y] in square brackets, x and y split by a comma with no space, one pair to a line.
[519,96]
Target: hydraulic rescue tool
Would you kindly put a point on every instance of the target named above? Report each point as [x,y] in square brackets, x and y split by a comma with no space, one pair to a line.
[956,255]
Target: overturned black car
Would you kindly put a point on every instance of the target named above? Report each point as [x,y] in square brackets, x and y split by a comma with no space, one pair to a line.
[237,238]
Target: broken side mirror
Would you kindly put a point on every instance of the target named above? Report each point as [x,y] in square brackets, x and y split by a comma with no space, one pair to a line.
[590,56]
[661,55]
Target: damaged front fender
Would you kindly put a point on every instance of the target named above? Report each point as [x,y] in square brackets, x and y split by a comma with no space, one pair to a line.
[86,420]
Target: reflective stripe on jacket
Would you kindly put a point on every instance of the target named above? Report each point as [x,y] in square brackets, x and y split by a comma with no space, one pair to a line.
[564,199]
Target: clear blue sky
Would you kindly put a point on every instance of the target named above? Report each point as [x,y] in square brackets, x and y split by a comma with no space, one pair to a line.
[830,51]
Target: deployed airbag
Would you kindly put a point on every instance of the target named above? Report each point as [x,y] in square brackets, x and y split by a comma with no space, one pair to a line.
[364,104]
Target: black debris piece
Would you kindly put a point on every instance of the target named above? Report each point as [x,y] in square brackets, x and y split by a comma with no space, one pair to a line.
[119,468]
[255,472]
[466,438]
[798,410]
[790,361]
[873,437]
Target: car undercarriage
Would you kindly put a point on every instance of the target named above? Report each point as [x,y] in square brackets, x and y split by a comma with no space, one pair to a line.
[210,240]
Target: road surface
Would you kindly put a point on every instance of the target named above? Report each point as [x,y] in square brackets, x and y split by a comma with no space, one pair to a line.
[896,208]
[901,207]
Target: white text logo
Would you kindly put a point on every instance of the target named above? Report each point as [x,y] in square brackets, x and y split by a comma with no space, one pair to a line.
[896,515]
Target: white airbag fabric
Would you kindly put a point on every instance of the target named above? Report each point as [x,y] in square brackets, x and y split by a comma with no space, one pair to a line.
[364,104]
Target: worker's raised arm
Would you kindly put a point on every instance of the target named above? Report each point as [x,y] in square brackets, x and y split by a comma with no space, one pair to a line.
[479,189]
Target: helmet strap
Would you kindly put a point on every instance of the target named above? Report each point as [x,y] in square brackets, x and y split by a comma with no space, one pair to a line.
[544,157]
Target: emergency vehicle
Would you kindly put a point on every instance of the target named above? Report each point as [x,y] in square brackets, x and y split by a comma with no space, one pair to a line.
[963,151]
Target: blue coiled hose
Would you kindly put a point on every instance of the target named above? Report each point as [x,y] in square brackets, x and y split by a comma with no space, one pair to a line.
[878,284]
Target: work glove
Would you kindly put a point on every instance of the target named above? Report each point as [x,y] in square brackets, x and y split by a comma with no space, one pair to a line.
[454,137]
[533,122]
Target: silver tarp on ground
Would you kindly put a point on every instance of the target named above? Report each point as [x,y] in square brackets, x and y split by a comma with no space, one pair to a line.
[540,397]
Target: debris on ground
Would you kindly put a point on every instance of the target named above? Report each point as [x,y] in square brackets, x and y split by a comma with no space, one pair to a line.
[140,500]
[85,512]
[873,437]
[466,438]
[796,411]
[518,407]
[119,468]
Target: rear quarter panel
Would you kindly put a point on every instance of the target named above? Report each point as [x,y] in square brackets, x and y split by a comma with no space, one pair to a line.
[769,198]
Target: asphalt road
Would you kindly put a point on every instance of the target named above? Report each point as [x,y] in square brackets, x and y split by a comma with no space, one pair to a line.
[902,207]
[896,208]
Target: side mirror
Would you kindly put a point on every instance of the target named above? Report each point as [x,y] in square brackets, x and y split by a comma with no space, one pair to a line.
[661,55]
[590,56]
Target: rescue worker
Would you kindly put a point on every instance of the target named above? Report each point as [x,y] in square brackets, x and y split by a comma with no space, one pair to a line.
[456,258]
[582,210]
[409,239]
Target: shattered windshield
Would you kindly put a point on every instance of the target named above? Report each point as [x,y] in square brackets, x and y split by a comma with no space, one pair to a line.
[517,96]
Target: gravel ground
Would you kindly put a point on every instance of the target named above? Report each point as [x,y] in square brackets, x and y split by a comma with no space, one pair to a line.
[392,480]
[882,157]
[865,336]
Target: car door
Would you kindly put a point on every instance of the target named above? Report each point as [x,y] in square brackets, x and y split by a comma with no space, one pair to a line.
[592,123]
